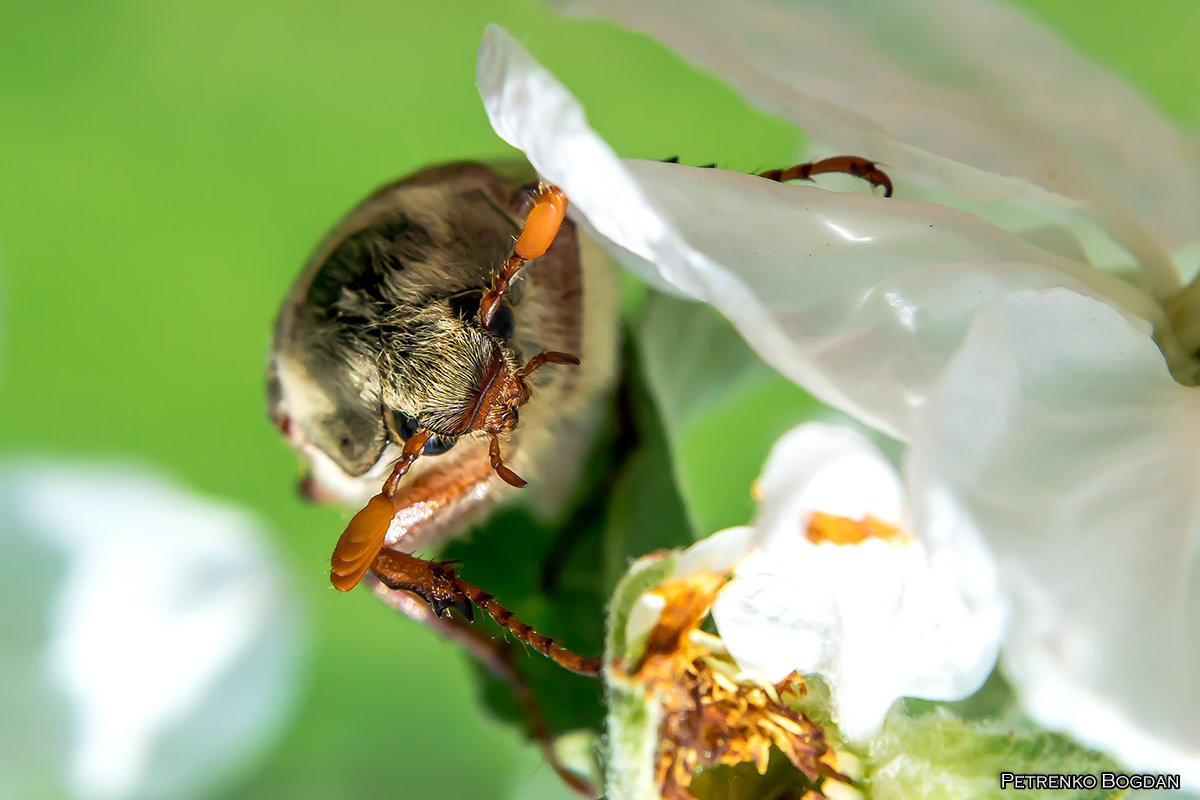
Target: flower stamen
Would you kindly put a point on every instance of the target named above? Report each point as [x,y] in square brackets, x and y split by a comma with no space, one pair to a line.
[831,528]
[712,712]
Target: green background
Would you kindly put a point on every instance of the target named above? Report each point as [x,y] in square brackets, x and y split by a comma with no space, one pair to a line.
[166,169]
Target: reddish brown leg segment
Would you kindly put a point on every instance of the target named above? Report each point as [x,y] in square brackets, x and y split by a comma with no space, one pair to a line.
[506,474]
[851,165]
[560,655]
[433,581]
[436,583]
[549,357]
[541,226]
[498,657]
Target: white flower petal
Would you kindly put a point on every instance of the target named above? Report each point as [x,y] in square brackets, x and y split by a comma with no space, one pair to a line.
[643,617]
[171,640]
[934,90]
[827,468]
[1058,432]
[858,299]
[870,618]
[717,553]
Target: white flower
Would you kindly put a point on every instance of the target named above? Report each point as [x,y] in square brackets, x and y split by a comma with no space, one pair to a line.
[1057,432]
[965,95]
[874,617]
[859,299]
[153,643]
[1051,466]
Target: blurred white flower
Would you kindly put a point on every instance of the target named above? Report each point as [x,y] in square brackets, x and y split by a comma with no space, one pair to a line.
[1051,472]
[152,642]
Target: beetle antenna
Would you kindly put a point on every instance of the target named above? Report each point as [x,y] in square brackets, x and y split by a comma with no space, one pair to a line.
[537,234]
[363,538]
[412,449]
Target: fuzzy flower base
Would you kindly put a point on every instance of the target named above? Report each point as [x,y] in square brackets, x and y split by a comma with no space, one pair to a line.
[762,742]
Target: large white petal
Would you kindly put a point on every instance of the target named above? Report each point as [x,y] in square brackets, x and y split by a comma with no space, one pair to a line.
[158,640]
[965,94]
[858,299]
[1058,432]
[871,618]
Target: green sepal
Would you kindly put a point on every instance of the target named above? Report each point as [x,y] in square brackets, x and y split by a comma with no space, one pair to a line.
[938,755]
[633,717]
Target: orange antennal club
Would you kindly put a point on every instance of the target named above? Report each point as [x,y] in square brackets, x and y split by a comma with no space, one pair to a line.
[363,538]
[542,224]
[360,543]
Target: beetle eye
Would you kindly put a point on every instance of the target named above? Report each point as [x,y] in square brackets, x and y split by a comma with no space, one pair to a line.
[403,427]
[438,445]
[466,307]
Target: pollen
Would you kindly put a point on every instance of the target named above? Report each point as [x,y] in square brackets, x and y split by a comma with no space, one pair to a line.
[824,527]
[712,713]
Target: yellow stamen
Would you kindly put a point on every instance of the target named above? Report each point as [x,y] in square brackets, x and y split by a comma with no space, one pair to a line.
[713,714]
[824,527]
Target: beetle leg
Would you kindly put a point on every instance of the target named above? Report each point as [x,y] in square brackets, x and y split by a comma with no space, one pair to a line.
[857,166]
[437,584]
[498,657]
[432,581]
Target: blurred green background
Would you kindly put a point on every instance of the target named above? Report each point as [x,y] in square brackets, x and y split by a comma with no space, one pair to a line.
[167,167]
